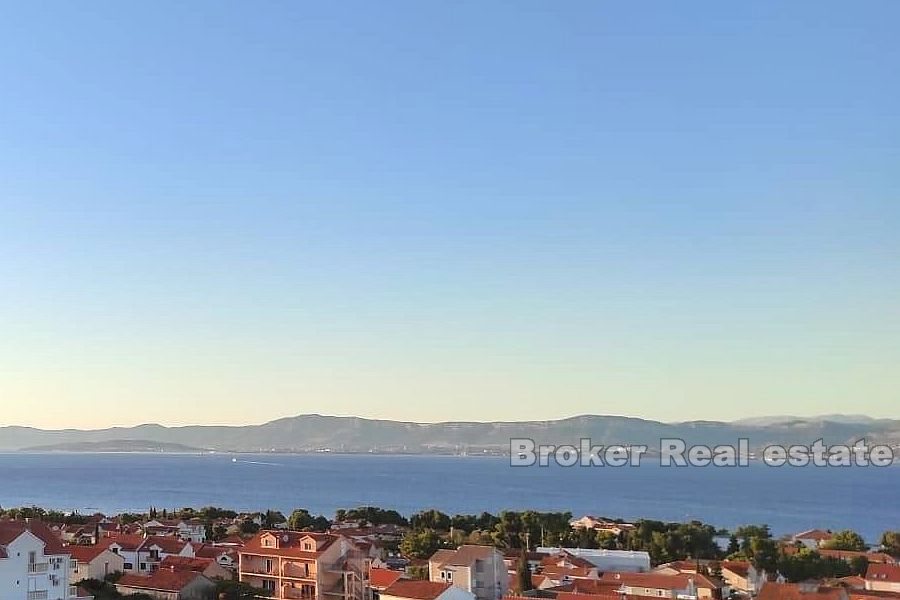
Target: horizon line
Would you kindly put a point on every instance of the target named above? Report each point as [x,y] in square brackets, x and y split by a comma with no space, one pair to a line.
[822,417]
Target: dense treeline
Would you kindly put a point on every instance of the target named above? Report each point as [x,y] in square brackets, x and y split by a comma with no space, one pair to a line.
[430,530]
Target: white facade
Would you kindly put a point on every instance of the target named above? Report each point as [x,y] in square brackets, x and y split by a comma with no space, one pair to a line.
[26,573]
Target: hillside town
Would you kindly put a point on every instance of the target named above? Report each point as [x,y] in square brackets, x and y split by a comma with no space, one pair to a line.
[369,553]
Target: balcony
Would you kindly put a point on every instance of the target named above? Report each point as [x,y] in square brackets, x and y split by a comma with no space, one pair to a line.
[38,567]
[260,570]
[296,594]
[39,595]
[298,571]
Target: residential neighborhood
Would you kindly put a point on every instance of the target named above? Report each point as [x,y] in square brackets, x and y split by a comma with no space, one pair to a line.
[376,554]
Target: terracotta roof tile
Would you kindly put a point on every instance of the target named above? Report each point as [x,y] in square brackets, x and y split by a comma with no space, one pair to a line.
[417,590]
[383,578]
[166,581]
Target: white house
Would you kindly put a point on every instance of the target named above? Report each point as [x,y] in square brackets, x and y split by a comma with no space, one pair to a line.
[34,565]
[143,555]
[883,578]
[812,538]
[189,530]
[93,562]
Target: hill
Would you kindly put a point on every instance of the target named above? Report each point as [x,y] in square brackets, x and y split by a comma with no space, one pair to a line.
[306,433]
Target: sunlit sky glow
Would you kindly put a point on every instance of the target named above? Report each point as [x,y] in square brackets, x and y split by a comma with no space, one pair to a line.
[232,212]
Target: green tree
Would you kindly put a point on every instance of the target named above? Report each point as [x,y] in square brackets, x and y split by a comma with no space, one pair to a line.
[300,519]
[371,514]
[607,540]
[420,543]
[747,533]
[764,554]
[509,531]
[890,542]
[845,540]
[430,519]
[808,564]
[248,526]
[859,565]
[273,518]
[733,546]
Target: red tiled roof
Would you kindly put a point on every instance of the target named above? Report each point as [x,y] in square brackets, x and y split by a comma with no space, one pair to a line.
[463,556]
[564,558]
[794,591]
[126,541]
[186,563]
[85,553]
[658,580]
[417,590]
[383,578]
[289,543]
[11,530]
[557,573]
[854,581]
[881,572]
[738,567]
[211,551]
[169,545]
[594,586]
[164,581]
[682,566]
[610,595]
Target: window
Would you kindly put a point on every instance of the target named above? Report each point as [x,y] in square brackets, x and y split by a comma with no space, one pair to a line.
[307,546]
[268,565]
[269,585]
[128,567]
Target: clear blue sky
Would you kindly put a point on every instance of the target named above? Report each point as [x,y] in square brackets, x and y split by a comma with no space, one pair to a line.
[230,212]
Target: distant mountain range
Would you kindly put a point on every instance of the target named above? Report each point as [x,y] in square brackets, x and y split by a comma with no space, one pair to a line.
[317,433]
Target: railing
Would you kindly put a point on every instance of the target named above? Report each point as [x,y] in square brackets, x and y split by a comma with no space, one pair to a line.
[295,594]
[41,595]
[259,570]
[38,567]
[298,571]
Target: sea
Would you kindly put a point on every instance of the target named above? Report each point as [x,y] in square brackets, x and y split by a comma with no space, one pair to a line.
[788,499]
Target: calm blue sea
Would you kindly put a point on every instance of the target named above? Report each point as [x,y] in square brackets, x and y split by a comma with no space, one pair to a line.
[788,499]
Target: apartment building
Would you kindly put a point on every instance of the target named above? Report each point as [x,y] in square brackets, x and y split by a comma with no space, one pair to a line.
[476,569]
[34,565]
[295,565]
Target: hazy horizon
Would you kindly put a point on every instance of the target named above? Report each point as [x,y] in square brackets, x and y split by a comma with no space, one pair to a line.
[277,418]
[437,212]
